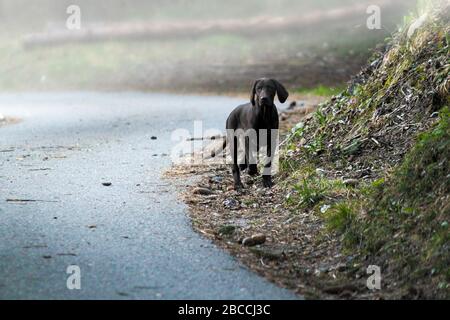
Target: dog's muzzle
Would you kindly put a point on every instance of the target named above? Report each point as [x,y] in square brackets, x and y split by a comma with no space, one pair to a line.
[264,101]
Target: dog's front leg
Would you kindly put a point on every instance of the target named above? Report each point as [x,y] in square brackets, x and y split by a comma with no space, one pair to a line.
[252,156]
[270,152]
[267,178]
[237,177]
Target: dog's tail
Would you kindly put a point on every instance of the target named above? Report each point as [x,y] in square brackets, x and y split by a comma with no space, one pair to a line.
[215,152]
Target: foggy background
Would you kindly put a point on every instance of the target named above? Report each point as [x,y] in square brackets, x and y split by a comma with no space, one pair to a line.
[181,45]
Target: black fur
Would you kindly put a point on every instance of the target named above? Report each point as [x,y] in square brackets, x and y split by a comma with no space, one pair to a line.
[260,113]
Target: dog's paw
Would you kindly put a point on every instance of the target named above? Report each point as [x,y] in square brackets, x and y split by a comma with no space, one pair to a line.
[252,171]
[238,186]
[267,182]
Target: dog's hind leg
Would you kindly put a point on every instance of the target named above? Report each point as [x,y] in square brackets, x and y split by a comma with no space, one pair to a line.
[252,157]
[270,153]
[245,164]
[235,168]
[237,177]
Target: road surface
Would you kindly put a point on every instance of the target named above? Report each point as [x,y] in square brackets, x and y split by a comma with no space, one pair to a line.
[132,239]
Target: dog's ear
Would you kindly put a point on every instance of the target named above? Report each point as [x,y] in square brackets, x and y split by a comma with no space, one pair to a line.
[281,92]
[253,93]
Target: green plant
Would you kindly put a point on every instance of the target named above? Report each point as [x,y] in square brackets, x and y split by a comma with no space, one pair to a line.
[309,192]
[321,90]
[340,217]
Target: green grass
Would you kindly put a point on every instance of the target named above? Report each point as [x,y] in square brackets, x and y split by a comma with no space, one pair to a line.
[340,218]
[309,192]
[322,91]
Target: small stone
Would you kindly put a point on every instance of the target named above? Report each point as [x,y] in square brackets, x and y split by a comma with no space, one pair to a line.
[254,240]
[231,203]
[350,182]
[106,184]
[202,191]
[154,138]
[216,179]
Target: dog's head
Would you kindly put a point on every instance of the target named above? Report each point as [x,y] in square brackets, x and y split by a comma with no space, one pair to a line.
[264,90]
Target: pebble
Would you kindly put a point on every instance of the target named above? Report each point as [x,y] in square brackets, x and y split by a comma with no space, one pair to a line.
[254,240]
[202,191]
[231,203]
[216,179]
[350,182]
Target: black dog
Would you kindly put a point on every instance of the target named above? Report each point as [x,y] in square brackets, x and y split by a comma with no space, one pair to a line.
[259,115]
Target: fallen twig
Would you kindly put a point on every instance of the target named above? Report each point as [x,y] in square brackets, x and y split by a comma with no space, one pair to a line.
[28,200]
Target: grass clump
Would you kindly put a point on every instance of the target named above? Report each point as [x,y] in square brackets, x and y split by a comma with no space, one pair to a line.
[340,218]
[308,192]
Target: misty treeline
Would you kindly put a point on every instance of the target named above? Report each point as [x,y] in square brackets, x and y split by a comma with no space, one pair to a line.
[211,45]
[31,14]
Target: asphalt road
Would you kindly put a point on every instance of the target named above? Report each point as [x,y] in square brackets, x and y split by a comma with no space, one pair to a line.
[131,240]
